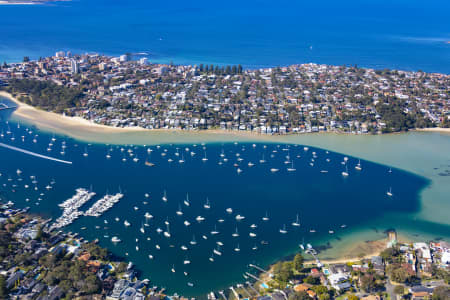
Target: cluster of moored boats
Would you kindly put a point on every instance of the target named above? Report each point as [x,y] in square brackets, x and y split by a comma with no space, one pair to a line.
[103,205]
[71,207]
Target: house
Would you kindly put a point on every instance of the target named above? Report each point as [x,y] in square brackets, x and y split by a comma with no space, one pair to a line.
[55,293]
[339,281]
[14,278]
[377,263]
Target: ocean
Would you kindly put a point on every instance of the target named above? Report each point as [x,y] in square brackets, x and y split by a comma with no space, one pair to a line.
[330,206]
[408,35]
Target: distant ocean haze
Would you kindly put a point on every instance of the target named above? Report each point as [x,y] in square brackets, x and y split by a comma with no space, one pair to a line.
[403,35]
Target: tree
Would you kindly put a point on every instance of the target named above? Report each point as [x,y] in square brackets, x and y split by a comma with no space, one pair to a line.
[399,289]
[441,293]
[283,271]
[324,297]
[3,290]
[239,69]
[398,274]
[303,295]
[121,267]
[367,283]
[311,280]
[320,289]
[298,262]
[352,297]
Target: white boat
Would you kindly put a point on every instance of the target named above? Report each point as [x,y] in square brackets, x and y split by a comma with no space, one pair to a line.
[389,193]
[186,201]
[173,269]
[186,223]
[266,217]
[262,160]
[193,242]
[217,252]
[238,170]
[137,248]
[297,222]
[345,173]
[179,211]
[358,166]
[126,223]
[200,219]
[229,210]
[204,237]
[291,169]
[150,256]
[190,284]
[204,158]
[250,164]
[186,262]
[236,233]
[115,239]
[157,247]
[207,205]
[274,170]
[214,232]
[142,230]
[237,249]
[184,248]
[164,197]
[252,234]
[167,232]
[253,226]
[239,218]
[283,230]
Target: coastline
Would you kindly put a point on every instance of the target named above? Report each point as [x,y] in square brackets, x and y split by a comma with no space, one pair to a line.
[54,121]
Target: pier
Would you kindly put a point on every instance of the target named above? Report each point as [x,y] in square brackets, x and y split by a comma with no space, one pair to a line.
[258,268]
[35,154]
[252,276]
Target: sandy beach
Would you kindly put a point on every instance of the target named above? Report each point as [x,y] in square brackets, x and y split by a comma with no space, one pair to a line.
[436,129]
[87,130]
[30,113]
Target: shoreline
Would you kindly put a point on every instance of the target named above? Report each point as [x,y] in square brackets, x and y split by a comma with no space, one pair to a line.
[59,122]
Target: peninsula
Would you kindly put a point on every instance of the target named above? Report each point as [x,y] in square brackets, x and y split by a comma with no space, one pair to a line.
[125,93]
